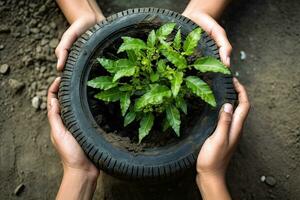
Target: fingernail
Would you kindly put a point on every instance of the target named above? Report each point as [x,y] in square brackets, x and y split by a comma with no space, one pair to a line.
[235,80]
[228,61]
[227,108]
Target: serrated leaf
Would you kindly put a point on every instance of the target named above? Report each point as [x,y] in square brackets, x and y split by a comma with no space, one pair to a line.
[154,77]
[107,64]
[166,124]
[102,82]
[132,44]
[154,96]
[161,66]
[176,83]
[173,117]
[165,30]
[129,117]
[124,102]
[111,95]
[175,58]
[191,41]
[177,40]
[201,89]
[145,125]
[151,39]
[210,64]
[180,103]
[131,56]
[125,88]
[124,72]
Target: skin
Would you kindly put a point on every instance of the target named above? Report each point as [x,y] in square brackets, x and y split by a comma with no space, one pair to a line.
[80,175]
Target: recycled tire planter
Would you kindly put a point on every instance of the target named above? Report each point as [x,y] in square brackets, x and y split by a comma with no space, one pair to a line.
[152,163]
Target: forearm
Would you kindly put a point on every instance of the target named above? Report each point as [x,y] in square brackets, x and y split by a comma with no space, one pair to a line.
[77,185]
[75,9]
[212,188]
[214,8]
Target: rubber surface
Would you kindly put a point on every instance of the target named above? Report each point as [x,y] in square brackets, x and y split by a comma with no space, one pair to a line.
[160,162]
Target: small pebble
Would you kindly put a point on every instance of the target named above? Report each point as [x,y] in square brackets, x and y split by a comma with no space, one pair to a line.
[4,69]
[53,43]
[36,102]
[237,74]
[262,178]
[271,181]
[243,55]
[1,46]
[19,189]
[15,85]
[43,106]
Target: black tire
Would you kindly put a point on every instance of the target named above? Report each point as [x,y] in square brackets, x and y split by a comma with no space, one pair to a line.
[156,163]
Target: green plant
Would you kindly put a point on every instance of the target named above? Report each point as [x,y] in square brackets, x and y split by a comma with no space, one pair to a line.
[152,79]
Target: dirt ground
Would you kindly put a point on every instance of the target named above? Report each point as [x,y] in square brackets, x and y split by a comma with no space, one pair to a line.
[266,163]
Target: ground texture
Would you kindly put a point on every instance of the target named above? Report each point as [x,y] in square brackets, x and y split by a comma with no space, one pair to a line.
[266,163]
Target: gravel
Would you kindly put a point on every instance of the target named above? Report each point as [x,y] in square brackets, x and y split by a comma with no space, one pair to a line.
[4,69]
[53,43]
[36,102]
[15,85]
[19,189]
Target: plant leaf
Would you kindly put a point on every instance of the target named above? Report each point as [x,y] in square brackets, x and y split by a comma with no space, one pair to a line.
[151,39]
[175,58]
[129,117]
[102,82]
[154,77]
[124,72]
[156,95]
[201,89]
[111,95]
[145,125]
[191,41]
[180,103]
[108,64]
[166,124]
[131,56]
[132,44]
[210,64]
[165,30]
[176,83]
[177,40]
[124,102]
[173,117]
[161,66]
[125,88]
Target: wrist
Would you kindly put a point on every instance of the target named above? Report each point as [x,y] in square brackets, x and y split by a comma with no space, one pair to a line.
[89,174]
[212,187]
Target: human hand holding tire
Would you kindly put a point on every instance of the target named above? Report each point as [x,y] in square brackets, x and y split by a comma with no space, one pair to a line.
[72,156]
[214,30]
[217,150]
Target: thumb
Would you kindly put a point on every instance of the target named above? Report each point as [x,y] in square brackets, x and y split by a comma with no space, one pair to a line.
[222,130]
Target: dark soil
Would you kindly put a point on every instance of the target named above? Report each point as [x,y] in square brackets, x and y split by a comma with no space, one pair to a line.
[268,32]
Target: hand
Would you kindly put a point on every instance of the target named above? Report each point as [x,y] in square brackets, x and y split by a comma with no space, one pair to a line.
[73,158]
[78,27]
[214,30]
[217,150]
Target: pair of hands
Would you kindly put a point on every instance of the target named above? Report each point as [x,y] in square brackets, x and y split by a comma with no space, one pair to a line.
[217,150]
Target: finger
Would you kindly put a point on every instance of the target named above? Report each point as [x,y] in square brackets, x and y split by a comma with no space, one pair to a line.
[54,118]
[221,132]
[220,37]
[62,50]
[240,113]
[52,92]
